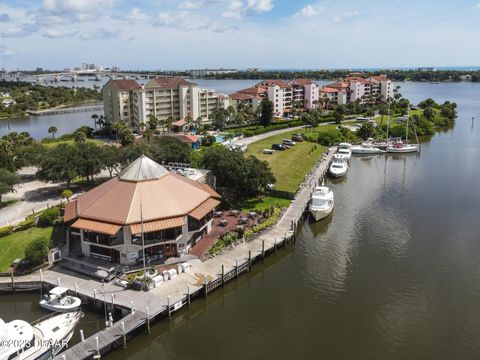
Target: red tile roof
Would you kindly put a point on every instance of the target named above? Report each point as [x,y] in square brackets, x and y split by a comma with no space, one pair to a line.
[186,138]
[241,96]
[301,82]
[279,83]
[169,83]
[126,84]
[180,122]
[327,90]
[254,90]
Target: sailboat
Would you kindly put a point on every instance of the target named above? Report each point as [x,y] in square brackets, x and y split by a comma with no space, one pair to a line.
[400,146]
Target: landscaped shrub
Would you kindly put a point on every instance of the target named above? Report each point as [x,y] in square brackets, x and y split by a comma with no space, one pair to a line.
[25,224]
[36,251]
[49,217]
[6,230]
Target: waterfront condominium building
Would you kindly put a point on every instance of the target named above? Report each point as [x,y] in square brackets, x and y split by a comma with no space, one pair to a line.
[128,101]
[298,93]
[354,87]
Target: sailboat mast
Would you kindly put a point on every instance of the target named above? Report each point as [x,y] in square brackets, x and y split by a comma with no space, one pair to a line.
[388,121]
[408,117]
[143,241]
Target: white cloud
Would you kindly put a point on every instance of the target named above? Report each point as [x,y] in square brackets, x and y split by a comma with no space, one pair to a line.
[136,15]
[259,6]
[19,31]
[57,34]
[76,6]
[478,6]
[5,52]
[235,10]
[100,34]
[307,11]
[190,5]
[337,19]
[4,17]
[169,18]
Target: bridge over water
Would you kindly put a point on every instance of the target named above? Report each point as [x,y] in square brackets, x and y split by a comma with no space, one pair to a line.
[74,75]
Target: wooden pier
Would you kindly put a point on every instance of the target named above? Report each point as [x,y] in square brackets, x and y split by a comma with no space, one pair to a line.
[65,110]
[140,308]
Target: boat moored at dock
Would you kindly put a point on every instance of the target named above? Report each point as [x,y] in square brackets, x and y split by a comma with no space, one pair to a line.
[338,167]
[345,149]
[322,202]
[58,300]
[43,339]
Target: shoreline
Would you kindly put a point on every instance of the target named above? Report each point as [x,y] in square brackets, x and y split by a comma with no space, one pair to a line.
[73,105]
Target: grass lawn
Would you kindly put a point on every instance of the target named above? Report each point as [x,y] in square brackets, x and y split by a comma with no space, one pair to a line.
[13,245]
[261,204]
[289,166]
[71,142]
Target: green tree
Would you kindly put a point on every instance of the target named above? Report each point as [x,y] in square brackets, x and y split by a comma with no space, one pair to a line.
[89,160]
[382,110]
[59,164]
[111,158]
[152,122]
[52,130]
[95,121]
[167,124]
[429,113]
[67,194]
[79,136]
[126,136]
[8,180]
[36,251]
[366,130]
[170,149]
[267,112]
[339,114]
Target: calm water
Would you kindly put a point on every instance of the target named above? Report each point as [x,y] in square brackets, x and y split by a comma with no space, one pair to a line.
[393,274]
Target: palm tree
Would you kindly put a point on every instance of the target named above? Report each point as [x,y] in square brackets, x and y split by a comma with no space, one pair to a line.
[117,126]
[148,134]
[101,121]
[168,123]
[95,119]
[52,130]
[67,194]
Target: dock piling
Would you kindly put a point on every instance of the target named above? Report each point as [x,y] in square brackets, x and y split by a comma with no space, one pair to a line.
[97,356]
[263,250]
[275,245]
[206,286]
[168,308]
[94,298]
[58,281]
[236,268]
[223,275]
[148,320]
[12,280]
[76,289]
[82,336]
[188,295]
[124,336]
[133,307]
[249,260]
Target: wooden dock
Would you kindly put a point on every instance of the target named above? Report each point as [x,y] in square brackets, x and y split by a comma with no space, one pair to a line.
[174,294]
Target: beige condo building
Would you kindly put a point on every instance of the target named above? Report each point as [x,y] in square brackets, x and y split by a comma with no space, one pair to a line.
[130,102]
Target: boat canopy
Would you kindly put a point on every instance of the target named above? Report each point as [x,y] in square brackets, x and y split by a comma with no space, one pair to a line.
[58,291]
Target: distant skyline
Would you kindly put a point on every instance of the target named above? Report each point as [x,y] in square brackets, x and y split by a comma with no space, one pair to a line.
[268,34]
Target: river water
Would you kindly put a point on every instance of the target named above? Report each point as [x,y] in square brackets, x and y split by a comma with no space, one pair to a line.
[393,274]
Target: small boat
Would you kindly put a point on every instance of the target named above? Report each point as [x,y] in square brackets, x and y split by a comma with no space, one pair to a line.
[400,146]
[345,149]
[338,168]
[340,157]
[43,339]
[322,202]
[58,300]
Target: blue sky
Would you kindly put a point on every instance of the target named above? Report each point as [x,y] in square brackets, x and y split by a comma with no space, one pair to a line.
[183,34]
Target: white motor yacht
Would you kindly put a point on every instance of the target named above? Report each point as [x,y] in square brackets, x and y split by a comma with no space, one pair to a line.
[366,148]
[338,168]
[58,300]
[345,149]
[322,202]
[43,339]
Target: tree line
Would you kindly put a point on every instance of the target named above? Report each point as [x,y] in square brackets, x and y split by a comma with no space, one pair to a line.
[26,96]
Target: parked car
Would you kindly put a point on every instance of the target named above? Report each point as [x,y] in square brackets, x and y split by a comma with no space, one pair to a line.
[280,147]
[297,138]
[288,142]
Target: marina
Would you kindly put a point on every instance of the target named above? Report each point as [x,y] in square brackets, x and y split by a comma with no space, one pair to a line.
[142,307]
